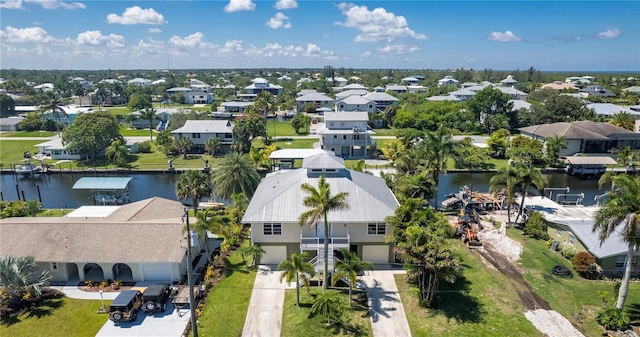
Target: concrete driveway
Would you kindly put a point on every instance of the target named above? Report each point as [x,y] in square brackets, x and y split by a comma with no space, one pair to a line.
[385,307]
[169,323]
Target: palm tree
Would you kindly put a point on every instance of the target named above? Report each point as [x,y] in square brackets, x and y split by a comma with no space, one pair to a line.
[212,145]
[51,102]
[329,304]
[254,251]
[117,152]
[236,174]
[437,147]
[322,202]
[204,224]
[184,145]
[529,176]
[624,120]
[350,267]
[393,150]
[150,115]
[505,180]
[193,184]
[236,211]
[621,209]
[17,276]
[297,269]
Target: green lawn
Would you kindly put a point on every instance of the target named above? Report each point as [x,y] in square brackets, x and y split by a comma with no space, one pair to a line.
[125,131]
[481,302]
[64,317]
[569,296]
[385,132]
[12,151]
[18,134]
[226,308]
[297,321]
[283,128]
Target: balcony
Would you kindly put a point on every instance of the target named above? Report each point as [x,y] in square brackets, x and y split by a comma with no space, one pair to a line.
[348,142]
[315,243]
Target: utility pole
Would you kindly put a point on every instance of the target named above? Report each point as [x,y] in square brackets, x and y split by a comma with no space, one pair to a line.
[194,319]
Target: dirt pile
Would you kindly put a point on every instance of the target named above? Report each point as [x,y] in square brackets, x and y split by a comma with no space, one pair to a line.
[501,243]
[552,323]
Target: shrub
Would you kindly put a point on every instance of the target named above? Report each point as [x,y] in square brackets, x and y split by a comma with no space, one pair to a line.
[567,250]
[89,283]
[536,227]
[585,264]
[104,284]
[117,284]
[145,147]
[612,318]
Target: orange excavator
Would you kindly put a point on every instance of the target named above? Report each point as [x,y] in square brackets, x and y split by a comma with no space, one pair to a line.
[466,232]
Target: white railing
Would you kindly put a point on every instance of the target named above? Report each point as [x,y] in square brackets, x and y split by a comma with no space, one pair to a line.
[314,242]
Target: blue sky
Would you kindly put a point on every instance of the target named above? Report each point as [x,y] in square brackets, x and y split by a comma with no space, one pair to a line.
[501,35]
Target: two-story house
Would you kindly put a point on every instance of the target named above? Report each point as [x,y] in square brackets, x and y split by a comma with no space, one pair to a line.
[260,84]
[193,95]
[347,134]
[382,99]
[200,131]
[320,101]
[356,103]
[277,203]
[447,80]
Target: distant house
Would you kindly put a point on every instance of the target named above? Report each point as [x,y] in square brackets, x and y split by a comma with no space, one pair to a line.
[347,134]
[284,78]
[634,89]
[585,136]
[193,95]
[447,80]
[66,114]
[382,99]
[350,92]
[320,100]
[354,86]
[557,85]
[410,81]
[303,80]
[337,81]
[463,94]
[509,82]
[162,121]
[356,103]
[596,90]
[235,106]
[277,203]
[520,104]
[10,123]
[260,84]
[199,131]
[56,150]
[513,92]
[417,89]
[145,242]
[139,82]
[398,89]
[572,225]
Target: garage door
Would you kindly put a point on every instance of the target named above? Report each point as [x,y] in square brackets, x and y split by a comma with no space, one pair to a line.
[156,272]
[376,254]
[273,254]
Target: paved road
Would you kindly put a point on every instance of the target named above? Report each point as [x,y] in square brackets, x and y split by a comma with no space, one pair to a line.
[385,307]
[264,318]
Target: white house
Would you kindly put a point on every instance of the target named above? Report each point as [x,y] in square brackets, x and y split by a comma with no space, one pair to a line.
[382,99]
[199,131]
[447,80]
[347,134]
[10,123]
[398,89]
[260,84]
[356,103]
[320,100]
[141,241]
[337,81]
[139,82]
[277,203]
[410,81]
[193,95]
[509,81]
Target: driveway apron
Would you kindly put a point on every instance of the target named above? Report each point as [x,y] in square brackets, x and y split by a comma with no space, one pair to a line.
[264,318]
[385,307]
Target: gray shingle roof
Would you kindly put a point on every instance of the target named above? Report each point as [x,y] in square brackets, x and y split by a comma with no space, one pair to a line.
[579,130]
[146,231]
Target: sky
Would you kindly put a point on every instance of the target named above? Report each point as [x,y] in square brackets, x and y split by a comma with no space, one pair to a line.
[210,34]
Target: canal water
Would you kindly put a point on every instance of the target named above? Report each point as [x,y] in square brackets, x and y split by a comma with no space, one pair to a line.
[56,189]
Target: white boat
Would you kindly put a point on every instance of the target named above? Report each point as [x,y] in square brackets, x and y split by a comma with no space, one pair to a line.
[28,169]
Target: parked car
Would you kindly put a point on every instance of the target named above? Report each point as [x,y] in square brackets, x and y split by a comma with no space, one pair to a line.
[125,306]
[155,298]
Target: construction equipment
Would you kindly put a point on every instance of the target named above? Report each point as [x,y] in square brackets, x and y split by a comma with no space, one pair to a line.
[466,232]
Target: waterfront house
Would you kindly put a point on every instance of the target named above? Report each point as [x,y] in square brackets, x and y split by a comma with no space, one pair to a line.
[277,203]
[141,241]
[320,101]
[572,225]
[199,131]
[382,99]
[356,103]
[259,85]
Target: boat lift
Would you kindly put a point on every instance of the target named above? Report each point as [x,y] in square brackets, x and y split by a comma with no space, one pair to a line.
[106,190]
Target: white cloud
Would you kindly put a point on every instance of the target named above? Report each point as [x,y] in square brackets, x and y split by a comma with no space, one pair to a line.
[231,47]
[366,54]
[136,16]
[376,25]
[195,40]
[154,30]
[286,4]
[507,36]
[278,21]
[610,33]
[46,4]
[239,5]
[25,35]
[95,38]
[398,49]
[469,59]
[149,47]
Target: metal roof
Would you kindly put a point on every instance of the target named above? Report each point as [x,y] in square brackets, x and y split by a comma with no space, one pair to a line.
[296,153]
[590,160]
[323,160]
[355,116]
[205,126]
[380,96]
[101,183]
[316,96]
[279,197]
[579,220]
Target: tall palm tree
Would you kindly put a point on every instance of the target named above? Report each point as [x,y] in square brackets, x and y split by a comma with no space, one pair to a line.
[624,120]
[254,251]
[437,147]
[204,224]
[212,145]
[529,176]
[150,115]
[51,102]
[117,152]
[236,174]
[193,184]
[393,150]
[506,180]
[297,269]
[184,145]
[621,209]
[350,267]
[322,202]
